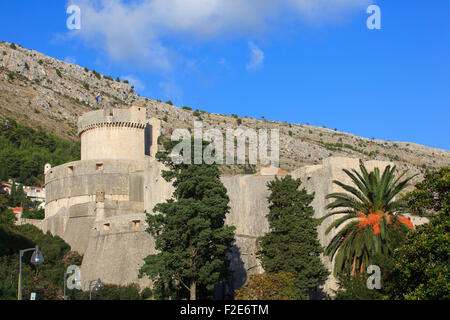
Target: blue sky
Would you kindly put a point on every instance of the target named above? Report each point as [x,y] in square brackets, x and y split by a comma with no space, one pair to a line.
[301,61]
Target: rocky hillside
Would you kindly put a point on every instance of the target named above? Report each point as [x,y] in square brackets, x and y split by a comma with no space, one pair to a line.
[41,91]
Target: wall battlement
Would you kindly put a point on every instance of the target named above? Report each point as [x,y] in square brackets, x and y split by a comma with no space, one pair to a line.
[118,134]
[134,117]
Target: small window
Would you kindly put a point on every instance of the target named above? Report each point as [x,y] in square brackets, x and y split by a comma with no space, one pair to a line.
[70,169]
[136,223]
[107,226]
[99,166]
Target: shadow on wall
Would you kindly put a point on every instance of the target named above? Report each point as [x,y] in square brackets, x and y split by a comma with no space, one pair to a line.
[225,289]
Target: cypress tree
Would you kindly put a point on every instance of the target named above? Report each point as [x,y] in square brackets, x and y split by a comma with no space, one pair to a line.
[292,244]
[189,231]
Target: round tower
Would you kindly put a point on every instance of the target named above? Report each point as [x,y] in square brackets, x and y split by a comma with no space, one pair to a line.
[113,134]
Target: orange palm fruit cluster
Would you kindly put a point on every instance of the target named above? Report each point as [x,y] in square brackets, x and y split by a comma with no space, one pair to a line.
[373,219]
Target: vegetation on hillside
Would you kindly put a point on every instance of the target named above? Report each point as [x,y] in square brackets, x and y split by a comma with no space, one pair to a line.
[24,151]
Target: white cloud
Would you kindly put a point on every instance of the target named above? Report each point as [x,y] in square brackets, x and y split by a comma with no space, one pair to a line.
[257,57]
[134,30]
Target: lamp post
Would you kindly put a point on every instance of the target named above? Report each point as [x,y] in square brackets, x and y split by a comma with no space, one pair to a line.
[37,258]
[98,285]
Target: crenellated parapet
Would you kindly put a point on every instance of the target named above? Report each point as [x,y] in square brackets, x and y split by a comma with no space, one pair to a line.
[134,117]
[117,134]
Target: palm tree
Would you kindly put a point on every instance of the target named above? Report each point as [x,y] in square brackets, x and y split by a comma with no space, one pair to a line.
[371,218]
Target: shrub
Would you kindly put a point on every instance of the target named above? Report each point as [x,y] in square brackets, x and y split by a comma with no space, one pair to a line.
[96,74]
[239,121]
[86,69]
[58,73]
[13,46]
[268,287]
[27,66]
[86,85]
[187,108]
[40,62]
[126,81]
[169,102]
[72,258]
[11,75]
[420,269]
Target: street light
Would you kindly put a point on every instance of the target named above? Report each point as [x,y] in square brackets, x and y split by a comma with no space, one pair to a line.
[37,259]
[98,285]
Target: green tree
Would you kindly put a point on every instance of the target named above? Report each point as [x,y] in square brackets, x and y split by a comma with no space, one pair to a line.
[421,264]
[189,230]
[6,215]
[371,217]
[432,195]
[292,244]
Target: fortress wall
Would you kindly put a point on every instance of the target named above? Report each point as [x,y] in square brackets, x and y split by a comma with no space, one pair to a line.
[83,191]
[248,202]
[156,126]
[78,182]
[156,189]
[116,251]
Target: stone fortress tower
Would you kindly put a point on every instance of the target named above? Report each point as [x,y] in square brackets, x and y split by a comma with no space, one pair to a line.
[99,204]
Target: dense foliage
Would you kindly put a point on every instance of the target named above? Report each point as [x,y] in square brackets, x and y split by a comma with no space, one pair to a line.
[190,231]
[371,218]
[421,264]
[292,244]
[24,151]
[432,194]
[418,267]
[6,215]
[278,286]
[47,279]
